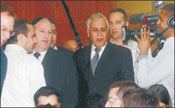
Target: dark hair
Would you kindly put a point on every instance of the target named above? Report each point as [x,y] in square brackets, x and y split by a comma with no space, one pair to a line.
[123,86]
[6,8]
[95,100]
[140,97]
[47,91]
[36,20]
[46,106]
[53,22]
[169,8]
[121,11]
[20,27]
[162,93]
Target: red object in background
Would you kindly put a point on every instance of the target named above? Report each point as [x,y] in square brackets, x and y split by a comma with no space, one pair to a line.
[145,19]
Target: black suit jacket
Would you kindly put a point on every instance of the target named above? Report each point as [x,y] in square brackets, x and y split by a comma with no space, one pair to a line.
[114,65]
[66,51]
[60,72]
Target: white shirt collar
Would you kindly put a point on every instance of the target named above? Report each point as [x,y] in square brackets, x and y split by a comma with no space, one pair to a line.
[41,57]
[15,47]
[55,47]
[93,50]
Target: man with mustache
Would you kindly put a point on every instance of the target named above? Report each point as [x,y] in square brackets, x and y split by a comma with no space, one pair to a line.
[102,62]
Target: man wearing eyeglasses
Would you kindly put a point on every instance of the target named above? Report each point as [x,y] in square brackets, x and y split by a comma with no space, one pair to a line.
[7,25]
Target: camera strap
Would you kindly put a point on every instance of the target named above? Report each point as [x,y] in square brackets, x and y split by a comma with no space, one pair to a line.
[160,46]
[161,34]
[156,51]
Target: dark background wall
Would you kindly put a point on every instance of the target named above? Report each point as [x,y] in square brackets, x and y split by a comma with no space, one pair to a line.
[79,10]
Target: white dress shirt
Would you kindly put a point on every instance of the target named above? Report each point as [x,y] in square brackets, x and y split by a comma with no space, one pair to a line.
[158,70]
[93,51]
[55,47]
[24,77]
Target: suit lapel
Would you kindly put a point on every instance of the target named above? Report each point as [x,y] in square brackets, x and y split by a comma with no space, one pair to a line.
[46,57]
[102,58]
[89,60]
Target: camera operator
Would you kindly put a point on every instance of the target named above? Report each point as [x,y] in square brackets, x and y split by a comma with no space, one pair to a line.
[158,69]
[117,21]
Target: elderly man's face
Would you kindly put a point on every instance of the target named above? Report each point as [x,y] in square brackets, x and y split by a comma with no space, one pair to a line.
[98,32]
[43,31]
[7,25]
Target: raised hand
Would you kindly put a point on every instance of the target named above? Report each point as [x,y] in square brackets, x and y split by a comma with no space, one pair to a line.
[144,42]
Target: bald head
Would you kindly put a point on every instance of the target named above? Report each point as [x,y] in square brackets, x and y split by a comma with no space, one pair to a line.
[71,45]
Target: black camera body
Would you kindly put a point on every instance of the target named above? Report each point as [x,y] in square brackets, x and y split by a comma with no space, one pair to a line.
[144,18]
[130,33]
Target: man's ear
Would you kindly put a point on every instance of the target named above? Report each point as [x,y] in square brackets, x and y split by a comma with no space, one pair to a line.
[88,36]
[20,38]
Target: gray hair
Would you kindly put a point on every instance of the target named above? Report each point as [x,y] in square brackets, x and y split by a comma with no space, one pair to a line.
[97,15]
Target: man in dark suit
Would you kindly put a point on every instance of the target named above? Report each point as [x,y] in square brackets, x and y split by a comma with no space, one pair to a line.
[59,68]
[101,63]
[7,25]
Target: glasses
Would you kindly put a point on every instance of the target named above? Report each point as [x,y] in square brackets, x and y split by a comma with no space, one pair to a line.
[6,30]
[111,100]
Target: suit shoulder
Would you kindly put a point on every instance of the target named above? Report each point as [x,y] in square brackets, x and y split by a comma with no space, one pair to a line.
[81,50]
[119,48]
[64,51]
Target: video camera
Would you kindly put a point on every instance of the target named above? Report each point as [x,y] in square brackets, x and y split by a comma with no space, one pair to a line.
[130,33]
[142,19]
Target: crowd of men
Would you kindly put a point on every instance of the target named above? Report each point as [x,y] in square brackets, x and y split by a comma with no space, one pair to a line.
[114,72]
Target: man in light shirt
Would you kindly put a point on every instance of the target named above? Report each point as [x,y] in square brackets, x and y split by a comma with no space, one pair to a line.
[158,69]
[25,74]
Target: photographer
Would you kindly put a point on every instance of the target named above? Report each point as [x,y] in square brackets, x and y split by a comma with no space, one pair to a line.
[160,69]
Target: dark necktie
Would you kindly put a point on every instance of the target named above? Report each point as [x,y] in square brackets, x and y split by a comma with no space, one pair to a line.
[95,60]
[156,51]
[37,54]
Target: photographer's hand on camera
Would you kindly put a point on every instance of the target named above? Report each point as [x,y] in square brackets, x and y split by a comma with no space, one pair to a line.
[144,42]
